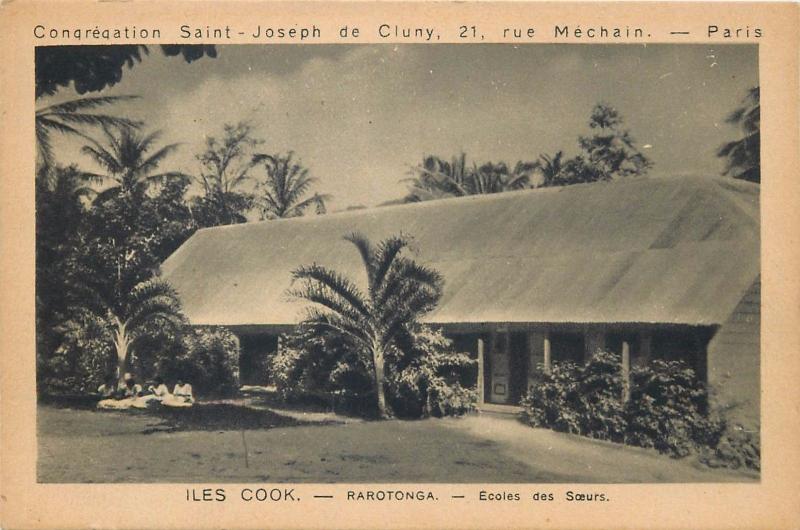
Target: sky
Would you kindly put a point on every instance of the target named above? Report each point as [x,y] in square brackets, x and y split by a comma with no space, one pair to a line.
[361,116]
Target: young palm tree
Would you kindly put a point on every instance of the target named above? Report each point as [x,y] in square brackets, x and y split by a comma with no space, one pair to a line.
[282,192]
[128,316]
[744,155]
[399,292]
[71,117]
[127,159]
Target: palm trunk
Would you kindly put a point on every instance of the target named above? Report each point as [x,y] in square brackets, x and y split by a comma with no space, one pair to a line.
[122,345]
[377,356]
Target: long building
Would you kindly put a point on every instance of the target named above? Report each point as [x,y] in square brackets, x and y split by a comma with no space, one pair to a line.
[647,267]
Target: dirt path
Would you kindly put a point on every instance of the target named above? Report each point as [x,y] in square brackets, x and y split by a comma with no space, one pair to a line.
[586,460]
[91,446]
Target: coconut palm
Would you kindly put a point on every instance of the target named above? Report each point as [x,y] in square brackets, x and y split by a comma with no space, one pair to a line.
[72,117]
[128,316]
[743,156]
[127,160]
[283,191]
[437,179]
[399,292]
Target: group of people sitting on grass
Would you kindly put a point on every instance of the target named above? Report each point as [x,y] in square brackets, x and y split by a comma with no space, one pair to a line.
[130,394]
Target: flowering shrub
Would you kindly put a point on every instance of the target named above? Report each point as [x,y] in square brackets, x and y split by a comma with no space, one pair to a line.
[666,410]
[581,400]
[428,378]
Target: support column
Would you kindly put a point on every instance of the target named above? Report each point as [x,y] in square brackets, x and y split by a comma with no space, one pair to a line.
[238,374]
[626,371]
[481,372]
[547,353]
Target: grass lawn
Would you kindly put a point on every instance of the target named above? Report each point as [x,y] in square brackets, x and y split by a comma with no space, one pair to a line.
[228,443]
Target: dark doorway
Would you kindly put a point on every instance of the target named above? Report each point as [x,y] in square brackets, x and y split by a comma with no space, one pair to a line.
[253,355]
[518,367]
[567,347]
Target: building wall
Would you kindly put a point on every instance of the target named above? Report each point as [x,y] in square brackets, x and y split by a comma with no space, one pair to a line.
[734,359]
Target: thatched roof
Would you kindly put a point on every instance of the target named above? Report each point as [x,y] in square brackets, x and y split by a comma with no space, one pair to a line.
[641,250]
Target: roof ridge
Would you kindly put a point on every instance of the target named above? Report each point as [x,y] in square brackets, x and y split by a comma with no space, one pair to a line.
[709,182]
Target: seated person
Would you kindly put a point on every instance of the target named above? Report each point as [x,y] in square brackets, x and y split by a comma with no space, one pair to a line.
[108,389]
[159,389]
[124,397]
[183,391]
[132,389]
[156,393]
[181,396]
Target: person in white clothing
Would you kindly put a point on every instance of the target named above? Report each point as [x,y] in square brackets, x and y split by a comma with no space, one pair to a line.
[181,396]
[183,391]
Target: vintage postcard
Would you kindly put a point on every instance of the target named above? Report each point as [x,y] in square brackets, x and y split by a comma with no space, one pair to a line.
[386,264]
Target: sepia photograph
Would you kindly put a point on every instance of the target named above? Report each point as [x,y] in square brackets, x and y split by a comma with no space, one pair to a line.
[398,263]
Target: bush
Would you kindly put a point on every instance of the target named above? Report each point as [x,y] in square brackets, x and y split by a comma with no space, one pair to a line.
[583,400]
[311,364]
[82,361]
[424,377]
[427,378]
[736,447]
[665,410]
[209,361]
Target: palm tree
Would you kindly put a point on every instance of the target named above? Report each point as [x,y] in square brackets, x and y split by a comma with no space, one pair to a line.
[127,160]
[744,155]
[128,316]
[71,117]
[438,179]
[399,292]
[282,192]
[551,168]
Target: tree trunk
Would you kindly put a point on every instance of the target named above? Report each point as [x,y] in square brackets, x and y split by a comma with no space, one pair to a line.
[377,356]
[121,343]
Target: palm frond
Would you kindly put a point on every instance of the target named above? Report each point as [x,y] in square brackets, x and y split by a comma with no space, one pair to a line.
[367,253]
[156,158]
[86,103]
[385,256]
[336,283]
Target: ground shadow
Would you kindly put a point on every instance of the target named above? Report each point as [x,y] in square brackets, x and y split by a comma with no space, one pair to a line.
[217,417]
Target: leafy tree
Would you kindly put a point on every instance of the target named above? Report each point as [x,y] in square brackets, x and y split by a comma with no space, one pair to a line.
[128,160]
[607,154]
[93,68]
[61,198]
[437,179]
[743,156]
[611,150]
[281,193]
[72,117]
[226,165]
[399,292]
